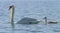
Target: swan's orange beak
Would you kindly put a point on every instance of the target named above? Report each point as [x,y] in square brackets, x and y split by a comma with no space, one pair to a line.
[10,7]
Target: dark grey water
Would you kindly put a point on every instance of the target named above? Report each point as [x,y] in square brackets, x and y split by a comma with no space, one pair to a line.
[30,8]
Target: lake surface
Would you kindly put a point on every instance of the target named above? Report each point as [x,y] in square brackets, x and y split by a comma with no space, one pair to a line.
[33,9]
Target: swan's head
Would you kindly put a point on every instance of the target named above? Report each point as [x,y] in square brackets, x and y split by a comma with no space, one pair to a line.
[11,7]
[45,18]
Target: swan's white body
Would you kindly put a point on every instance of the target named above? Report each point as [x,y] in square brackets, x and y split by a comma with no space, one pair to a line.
[27,20]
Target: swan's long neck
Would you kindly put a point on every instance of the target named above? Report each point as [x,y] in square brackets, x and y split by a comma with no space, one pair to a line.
[45,20]
[12,16]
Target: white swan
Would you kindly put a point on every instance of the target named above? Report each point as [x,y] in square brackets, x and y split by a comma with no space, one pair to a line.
[25,20]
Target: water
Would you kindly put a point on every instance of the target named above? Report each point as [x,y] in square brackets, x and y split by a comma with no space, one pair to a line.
[30,8]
